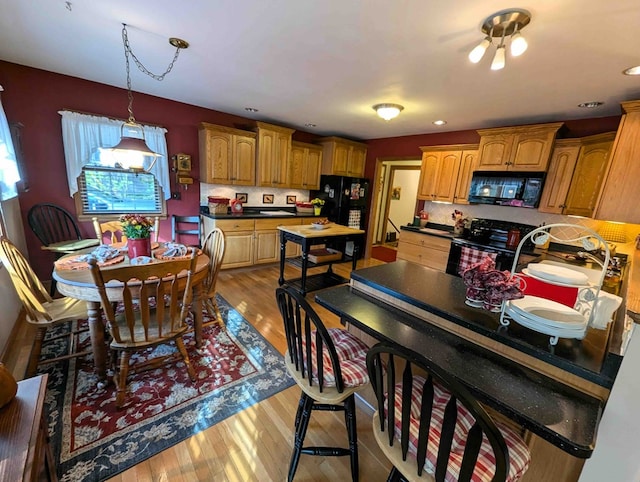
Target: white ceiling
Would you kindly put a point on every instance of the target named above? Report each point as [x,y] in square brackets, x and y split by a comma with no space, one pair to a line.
[328,62]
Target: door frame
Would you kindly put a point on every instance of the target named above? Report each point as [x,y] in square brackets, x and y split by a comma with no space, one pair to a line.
[377,187]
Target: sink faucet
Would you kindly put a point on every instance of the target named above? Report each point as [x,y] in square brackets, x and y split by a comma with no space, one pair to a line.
[584,254]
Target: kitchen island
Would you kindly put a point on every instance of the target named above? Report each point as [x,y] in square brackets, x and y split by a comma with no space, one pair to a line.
[556,394]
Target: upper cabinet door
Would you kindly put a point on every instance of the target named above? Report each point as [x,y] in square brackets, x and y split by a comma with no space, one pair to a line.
[447,176]
[274,146]
[244,160]
[304,166]
[468,163]
[342,157]
[531,151]
[620,195]
[494,152]
[561,167]
[521,148]
[428,172]
[587,178]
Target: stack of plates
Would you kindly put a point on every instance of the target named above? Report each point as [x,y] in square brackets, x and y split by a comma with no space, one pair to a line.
[547,316]
[556,274]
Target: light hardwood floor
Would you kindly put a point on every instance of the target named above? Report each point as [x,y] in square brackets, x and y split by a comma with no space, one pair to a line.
[255,444]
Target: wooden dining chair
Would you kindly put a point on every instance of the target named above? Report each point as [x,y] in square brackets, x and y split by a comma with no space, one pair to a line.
[186,225]
[432,429]
[113,229]
[41,310]
[58,231]
[143,323]
[213,246]
[329,365]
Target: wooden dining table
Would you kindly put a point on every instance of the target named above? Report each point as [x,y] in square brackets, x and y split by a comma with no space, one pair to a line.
[78,284]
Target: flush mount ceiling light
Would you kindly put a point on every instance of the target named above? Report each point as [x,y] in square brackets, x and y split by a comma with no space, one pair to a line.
[388,111]
[439,122]
[129,141]
[632,70]
[500,25]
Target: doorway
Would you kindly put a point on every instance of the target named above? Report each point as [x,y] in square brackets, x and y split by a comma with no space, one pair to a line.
[393,204]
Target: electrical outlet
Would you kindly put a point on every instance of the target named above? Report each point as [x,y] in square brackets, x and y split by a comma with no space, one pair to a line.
[175,195]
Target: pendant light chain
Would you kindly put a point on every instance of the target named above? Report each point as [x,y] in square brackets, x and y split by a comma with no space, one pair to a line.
[142,68]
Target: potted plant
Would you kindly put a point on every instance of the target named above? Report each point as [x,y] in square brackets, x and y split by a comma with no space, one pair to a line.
[317,205]
[137,228]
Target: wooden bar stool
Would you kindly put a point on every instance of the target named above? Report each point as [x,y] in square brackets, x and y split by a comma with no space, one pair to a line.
[436,430]
[329,366]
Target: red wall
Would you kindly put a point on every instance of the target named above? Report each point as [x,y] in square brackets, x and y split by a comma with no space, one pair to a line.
[33,97]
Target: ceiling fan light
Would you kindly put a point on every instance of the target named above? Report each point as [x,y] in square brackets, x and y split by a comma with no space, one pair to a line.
[388,111]
[478,51]
[499,59]
[518,44]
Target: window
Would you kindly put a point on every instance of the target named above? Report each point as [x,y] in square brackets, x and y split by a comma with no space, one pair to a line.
[100,180]
[9,175]
[103,190]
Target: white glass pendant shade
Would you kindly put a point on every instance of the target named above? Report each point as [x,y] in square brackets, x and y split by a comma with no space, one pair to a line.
[518,44]
[478,52]
[499,59]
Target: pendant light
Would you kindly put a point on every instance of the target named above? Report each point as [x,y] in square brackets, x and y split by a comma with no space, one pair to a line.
[132,138]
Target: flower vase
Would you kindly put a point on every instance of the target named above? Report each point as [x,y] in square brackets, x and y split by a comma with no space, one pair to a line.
[139,247]
[458,230]
[317,210]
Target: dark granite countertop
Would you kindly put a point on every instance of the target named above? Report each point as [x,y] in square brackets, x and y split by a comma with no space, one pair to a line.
[588,358]
[431,229]
[255,213]
[560,414]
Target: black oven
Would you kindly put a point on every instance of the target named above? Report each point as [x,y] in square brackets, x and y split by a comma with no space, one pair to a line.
[504,258]
[490,236]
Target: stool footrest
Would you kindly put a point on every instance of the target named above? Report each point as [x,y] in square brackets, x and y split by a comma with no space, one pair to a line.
[326,407]
[326,451]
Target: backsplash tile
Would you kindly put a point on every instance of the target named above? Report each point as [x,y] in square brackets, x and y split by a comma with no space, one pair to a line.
[254,194]
[441,213]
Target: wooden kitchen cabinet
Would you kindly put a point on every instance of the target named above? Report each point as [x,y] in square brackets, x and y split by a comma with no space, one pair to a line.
[424,249]
[446,172]
[239,240]
[575,176]
[620,196]
[274,146]
[227,155]
[267,246]
[561,167]
[522,148]
[342,157]
[305,163]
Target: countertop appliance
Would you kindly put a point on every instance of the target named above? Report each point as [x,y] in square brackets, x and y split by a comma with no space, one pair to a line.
[519,189]
[491,236]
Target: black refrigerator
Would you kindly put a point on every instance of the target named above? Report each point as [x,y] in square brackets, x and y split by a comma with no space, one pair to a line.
[345,200]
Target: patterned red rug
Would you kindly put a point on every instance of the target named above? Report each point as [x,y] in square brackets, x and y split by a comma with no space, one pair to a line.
[93,441]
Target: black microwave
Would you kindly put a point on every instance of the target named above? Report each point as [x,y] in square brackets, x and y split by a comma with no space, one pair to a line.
[519,189]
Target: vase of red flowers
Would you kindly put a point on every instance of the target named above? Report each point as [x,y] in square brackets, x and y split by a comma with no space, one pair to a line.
[459,222]
[137,229]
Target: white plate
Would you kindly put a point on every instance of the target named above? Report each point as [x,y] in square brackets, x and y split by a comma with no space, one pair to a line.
[548,312]
[319,226]
[556,283]
[554,332]
[141,260]
[558,274]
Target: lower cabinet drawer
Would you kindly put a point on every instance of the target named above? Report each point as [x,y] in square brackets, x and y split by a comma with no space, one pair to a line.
[433,258]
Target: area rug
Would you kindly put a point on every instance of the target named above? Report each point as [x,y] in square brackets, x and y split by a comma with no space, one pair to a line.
[383,253]
[92,440]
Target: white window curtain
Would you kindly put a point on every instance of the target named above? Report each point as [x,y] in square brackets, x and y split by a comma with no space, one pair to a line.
[82,134]
[9,174]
